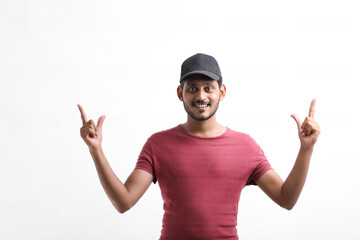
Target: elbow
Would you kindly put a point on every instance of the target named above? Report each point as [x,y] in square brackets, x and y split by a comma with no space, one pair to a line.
[288,206]
[122,208]
[287,203]
[123,204]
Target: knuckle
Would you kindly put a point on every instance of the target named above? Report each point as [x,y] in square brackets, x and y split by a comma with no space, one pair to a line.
[89,123]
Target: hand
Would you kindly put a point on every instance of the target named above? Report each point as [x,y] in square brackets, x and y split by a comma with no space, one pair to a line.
[91,134]
[309,130]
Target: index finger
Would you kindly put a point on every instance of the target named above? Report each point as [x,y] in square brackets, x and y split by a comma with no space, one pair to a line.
[312,108]
[83,115]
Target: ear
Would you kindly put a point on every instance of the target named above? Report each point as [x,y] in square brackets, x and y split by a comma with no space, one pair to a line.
[222,92]
[179,93]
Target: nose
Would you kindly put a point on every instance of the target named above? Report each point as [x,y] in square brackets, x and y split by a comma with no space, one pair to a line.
[201,95]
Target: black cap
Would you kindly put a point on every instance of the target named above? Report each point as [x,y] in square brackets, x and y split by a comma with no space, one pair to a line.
[200,64]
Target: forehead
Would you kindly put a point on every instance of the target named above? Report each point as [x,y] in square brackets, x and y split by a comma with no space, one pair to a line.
[197,80]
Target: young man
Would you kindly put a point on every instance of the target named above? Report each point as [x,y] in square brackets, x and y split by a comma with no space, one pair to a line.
[201,166]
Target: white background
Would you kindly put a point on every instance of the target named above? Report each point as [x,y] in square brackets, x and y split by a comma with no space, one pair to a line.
[122,59]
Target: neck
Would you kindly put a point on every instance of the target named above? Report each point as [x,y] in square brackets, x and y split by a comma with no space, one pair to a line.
[207,128]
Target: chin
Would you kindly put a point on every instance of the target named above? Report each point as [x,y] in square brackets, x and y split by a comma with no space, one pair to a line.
[200,117]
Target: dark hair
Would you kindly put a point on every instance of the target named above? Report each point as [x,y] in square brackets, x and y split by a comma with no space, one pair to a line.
[218,81]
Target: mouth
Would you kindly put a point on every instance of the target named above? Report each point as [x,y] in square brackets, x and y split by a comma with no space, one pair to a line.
[201,106]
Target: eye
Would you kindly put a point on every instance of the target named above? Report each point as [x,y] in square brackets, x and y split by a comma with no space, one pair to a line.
[209,89]
[192,89]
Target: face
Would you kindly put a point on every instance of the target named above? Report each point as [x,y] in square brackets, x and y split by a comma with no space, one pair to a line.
[201,96]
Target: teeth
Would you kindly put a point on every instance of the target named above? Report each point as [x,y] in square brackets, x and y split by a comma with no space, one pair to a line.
[202,106]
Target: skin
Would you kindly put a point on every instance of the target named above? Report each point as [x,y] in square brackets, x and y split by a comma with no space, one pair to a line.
[122,195]
[197,89]
[201,122]
[287,193]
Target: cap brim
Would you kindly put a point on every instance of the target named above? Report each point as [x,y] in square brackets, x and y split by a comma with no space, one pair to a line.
[202,72]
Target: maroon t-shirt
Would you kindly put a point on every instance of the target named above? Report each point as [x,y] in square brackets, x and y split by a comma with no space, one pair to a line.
[201,180]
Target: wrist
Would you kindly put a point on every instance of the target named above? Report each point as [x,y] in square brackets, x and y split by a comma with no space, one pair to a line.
[95,151]
[306,148]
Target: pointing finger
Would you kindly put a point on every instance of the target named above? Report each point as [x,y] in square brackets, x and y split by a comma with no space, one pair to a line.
[312,109]
[83,115]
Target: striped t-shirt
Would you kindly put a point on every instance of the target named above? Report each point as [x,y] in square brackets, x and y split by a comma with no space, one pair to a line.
[201,179]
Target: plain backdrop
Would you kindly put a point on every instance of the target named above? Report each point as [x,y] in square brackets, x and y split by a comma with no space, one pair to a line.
[122,59]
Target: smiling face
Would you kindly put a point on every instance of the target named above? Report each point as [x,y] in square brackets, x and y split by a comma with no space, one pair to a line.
[201,96]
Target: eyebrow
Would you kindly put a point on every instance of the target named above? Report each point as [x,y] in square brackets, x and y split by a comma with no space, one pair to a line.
[195,84]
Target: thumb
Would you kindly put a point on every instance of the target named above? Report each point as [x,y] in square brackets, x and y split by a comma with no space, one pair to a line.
[100,123]
[297,120]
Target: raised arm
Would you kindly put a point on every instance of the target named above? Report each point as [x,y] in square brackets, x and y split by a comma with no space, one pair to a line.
[122,196]
[287,193]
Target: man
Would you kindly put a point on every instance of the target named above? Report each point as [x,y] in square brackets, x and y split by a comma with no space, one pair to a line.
[201,166]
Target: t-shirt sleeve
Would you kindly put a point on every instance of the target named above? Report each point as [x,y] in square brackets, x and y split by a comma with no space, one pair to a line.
[262,166]
[146,160]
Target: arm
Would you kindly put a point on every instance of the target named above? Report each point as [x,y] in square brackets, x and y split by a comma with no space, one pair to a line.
[122,196]
[287,193]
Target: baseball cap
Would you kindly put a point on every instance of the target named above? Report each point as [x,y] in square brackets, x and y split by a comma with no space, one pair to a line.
[200,64]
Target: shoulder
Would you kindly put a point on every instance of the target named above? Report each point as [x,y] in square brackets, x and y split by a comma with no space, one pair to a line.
[159,140]
[240,136]
[164,134]
[243,139]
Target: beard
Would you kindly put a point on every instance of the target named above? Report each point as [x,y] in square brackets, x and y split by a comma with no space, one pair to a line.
[201,118]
